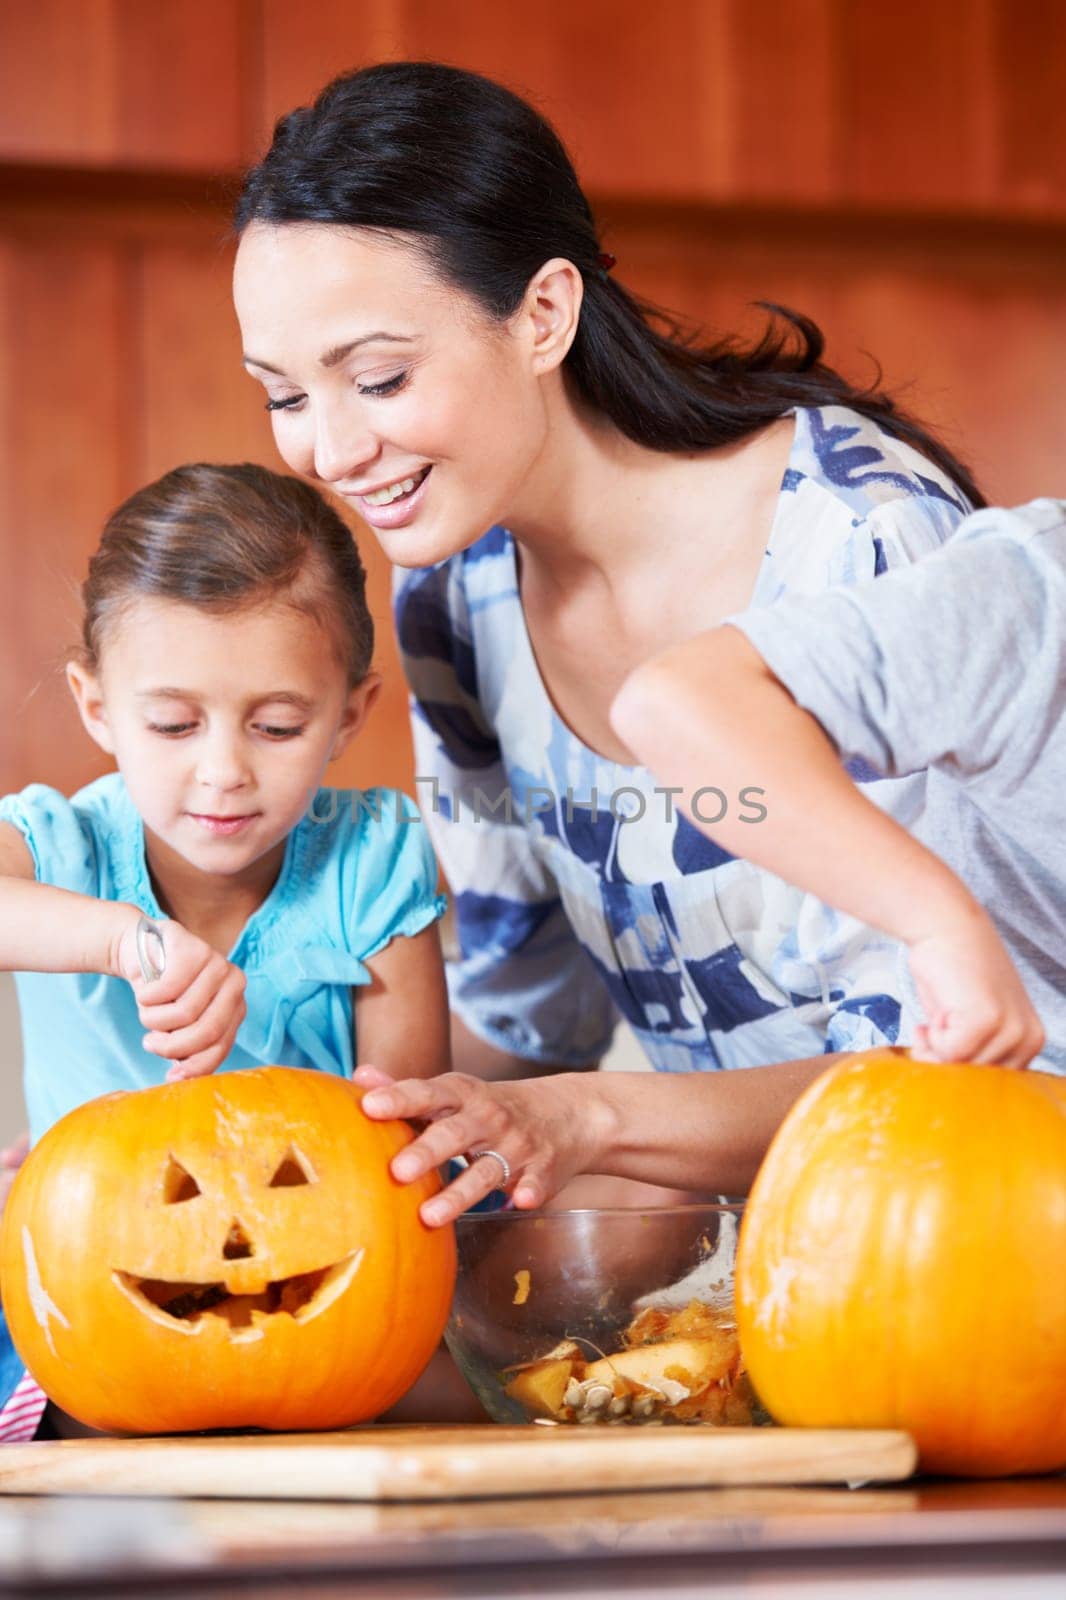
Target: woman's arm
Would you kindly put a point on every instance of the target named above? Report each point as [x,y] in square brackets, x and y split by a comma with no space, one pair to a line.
[704,1132]
[710,712]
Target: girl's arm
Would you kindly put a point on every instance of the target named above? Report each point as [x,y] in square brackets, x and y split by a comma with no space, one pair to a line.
[710,712]
[191,1014]
[483,1060]
[401,1017]
[45,929]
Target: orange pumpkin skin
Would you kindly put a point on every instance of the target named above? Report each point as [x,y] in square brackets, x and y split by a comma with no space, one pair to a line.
[902,1262]
[106,1203]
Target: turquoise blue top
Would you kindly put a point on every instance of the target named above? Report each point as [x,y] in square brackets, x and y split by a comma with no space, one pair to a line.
[358,871]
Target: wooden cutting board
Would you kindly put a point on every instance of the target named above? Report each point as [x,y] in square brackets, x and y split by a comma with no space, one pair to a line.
[452,1463]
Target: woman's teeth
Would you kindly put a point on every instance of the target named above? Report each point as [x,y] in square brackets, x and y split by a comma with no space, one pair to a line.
[384,497]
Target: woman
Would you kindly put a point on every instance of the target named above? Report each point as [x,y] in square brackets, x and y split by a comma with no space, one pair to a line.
[567,490]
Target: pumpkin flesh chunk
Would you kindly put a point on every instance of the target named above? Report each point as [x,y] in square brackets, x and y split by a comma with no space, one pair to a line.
[675,1366]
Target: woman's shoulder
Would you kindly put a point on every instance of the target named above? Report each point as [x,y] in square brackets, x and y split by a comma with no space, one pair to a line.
[855,502]
[857,461]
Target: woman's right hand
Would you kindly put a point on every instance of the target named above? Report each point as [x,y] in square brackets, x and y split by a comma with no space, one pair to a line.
[540,1126]
[191,1014]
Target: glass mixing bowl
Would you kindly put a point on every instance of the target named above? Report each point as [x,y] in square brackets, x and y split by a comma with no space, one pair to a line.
[602,1316]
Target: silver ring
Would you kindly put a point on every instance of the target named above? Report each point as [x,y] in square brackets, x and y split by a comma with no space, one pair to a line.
[151,951]
[476,1155]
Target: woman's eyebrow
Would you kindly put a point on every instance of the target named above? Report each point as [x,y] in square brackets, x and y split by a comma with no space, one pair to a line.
[338,352]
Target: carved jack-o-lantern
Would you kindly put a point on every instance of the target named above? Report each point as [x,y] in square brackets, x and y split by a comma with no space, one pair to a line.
[226,1252]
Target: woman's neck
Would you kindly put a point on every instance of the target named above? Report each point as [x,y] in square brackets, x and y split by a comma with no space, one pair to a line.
[581,507]
[598,507]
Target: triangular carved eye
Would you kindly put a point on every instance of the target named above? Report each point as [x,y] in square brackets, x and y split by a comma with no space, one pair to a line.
[178,1184]
[293,1169]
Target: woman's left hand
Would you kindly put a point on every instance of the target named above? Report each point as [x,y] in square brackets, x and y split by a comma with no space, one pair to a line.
[539,1126]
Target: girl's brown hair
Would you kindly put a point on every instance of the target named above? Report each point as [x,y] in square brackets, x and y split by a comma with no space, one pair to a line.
[223,537]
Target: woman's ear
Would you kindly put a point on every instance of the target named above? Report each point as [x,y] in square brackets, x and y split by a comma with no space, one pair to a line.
[360,700]
[88,697]
[551,309]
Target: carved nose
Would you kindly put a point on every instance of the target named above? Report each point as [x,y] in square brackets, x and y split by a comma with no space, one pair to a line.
[237,1245]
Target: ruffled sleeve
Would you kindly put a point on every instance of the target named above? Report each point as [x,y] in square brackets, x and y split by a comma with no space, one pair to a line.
[388,878]
[359,873]
[60,838]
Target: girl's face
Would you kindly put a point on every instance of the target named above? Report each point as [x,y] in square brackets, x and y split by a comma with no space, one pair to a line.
[383,381]
[221,725]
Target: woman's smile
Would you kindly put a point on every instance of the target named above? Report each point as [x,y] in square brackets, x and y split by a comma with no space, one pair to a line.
[393,505]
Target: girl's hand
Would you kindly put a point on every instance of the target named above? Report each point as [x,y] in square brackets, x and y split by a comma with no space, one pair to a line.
[973,998]
[536,1125]
[191,1014]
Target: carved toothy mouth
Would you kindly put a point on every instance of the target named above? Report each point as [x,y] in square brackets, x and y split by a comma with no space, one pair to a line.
[188,1307]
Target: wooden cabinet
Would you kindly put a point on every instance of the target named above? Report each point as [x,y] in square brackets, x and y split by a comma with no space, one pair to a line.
[897,171]
[159,84]
[955,104]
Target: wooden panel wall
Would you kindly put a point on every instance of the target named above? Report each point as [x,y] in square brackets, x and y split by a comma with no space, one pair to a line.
[953,104]
[898,172]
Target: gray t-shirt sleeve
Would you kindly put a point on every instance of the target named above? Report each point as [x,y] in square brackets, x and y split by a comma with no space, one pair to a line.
[957,662]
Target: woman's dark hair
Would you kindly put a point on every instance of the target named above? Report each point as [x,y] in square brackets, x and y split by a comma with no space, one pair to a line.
[226,537]
[488,189]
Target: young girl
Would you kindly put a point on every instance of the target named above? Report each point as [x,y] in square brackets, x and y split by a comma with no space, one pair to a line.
[225,663]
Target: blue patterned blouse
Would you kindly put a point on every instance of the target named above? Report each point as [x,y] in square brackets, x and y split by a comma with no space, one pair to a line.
[581,895]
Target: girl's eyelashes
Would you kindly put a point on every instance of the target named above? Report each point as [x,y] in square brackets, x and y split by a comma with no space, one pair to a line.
[285,405]
[175,730]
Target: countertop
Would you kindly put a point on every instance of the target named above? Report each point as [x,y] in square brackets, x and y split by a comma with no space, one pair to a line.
[924,1538]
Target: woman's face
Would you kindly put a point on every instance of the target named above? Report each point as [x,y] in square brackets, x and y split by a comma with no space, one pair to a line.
[389,385]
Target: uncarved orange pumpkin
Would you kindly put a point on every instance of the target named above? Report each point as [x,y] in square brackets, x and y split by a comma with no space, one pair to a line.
[902,1262]
[225,1252]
